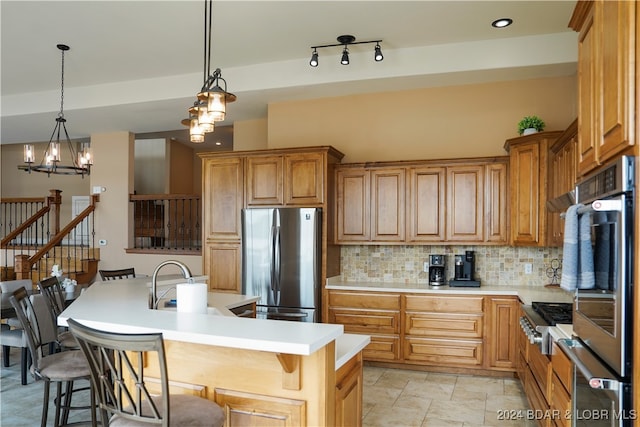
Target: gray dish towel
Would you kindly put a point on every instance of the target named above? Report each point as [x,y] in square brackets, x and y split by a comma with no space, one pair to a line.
[577,253]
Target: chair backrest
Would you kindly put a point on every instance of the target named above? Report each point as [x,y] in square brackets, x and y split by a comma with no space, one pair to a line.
[10,286]
[117,361]
[54,295]
[123,273]
[38,329]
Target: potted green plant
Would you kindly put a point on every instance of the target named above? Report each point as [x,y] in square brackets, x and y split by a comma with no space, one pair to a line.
[530,124]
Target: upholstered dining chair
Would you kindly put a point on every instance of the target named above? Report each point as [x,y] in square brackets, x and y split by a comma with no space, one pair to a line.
[115,356]
[123,273]
[65,367]
[9,287]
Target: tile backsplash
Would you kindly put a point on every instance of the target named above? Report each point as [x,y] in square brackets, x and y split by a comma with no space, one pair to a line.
[495,265]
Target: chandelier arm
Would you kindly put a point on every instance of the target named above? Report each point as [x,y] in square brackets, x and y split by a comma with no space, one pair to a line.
[74,159]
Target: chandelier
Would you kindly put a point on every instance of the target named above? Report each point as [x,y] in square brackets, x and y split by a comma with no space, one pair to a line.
[211,101]
[81,159]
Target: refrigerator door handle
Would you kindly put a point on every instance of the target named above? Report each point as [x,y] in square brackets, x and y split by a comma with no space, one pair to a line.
[273,258]
[277,257]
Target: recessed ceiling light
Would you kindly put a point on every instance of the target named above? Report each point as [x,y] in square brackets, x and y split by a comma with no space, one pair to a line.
[218,143]
[502,22]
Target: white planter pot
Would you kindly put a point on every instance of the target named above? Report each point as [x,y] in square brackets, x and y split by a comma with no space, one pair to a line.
[529,131]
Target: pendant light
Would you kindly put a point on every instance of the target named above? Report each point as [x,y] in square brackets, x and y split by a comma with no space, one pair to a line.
[212,99]
[51,164]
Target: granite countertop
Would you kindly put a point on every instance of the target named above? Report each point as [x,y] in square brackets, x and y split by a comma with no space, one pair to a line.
[527,294]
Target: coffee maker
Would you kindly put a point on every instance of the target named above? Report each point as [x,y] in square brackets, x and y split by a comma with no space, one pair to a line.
[436,270]
[465,266]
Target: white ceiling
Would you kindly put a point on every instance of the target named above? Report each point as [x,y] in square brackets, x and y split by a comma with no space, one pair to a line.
[136,65]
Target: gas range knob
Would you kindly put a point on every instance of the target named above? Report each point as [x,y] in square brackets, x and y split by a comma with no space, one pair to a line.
[535,339]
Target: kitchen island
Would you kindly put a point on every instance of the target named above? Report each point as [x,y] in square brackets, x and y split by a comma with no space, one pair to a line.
[262,372]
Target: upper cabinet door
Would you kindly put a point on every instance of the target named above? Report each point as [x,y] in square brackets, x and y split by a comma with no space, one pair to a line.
[425,204]
[265,180]
[223,198]
[353,205]
[465,203]
[496,211]
[304,179]
[616,25]
[387,205]
[587,120]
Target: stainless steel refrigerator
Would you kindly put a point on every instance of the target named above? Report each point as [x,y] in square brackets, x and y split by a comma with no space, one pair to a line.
[281,261]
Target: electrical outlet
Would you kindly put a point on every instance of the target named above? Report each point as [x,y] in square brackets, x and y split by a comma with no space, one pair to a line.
[425,267]
[528,268]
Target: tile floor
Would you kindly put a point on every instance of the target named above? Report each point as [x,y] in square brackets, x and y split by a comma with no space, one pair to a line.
[392,397]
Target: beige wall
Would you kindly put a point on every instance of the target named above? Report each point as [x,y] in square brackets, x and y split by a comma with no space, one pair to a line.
[181,159]
[17,183]
[250,135]
[432,123]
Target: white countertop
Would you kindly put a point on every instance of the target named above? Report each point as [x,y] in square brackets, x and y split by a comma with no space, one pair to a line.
[122,306]
[527,294]
[348,345]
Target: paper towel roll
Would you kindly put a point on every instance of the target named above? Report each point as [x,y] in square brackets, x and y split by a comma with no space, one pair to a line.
[192,297]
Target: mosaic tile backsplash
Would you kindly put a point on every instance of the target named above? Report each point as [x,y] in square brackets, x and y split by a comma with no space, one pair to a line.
[495,265]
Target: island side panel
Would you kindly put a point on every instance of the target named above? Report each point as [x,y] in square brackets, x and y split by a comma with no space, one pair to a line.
[246,380]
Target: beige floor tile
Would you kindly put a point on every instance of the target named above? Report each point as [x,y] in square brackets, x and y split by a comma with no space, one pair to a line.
[429,390]
[409,401]
[471,411]
[512,386]
[371,374]
[462,394]
[436,422]
[393,417]
[515,418]
[482,384]
[442,378]
[380,396]
[502,403]
[405,374]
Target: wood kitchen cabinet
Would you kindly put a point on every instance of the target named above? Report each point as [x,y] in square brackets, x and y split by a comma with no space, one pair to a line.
[562,178]
[606,85]
[502,336]
[231,181]
[349,389]
[285,180]
[443,330]
[463,333]
[423,202]
[371,205]
[372,313]
[561,387]
[528,166]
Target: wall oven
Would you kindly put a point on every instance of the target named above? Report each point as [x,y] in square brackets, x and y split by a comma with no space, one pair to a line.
[601,350]
[603,315]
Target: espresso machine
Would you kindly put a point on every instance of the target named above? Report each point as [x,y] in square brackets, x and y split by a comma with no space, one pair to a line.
[464,268]
[437,270]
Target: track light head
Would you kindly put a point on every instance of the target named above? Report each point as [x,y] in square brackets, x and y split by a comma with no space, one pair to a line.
[345,56]
[314,58]
[378,53]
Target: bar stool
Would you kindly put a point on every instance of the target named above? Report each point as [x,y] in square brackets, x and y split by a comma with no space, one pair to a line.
[64,367]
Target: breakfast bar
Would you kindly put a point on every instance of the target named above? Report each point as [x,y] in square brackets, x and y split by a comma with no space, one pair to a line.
[256,369]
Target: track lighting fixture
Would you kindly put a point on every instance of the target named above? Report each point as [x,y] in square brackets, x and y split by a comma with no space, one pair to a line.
[346,41]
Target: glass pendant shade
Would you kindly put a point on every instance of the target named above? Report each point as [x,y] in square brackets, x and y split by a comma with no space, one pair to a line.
[217,105]
[196,133]
[205,118]
[53,154]
[85,156]
[29,155]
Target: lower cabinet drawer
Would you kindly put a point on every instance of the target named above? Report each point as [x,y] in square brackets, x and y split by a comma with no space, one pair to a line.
[540,366]
[444,325]
[560,403]
[443,352]
[370,321]
[382,348]
[562,367]
[536,399]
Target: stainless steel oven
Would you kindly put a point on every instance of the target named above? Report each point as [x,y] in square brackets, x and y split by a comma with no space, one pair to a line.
[603,315]
[600,397]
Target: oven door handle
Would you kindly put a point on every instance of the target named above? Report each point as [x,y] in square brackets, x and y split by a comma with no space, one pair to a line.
[610,205]
[597,375]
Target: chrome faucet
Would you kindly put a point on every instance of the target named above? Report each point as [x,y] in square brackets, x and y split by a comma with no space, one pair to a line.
[153,298]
